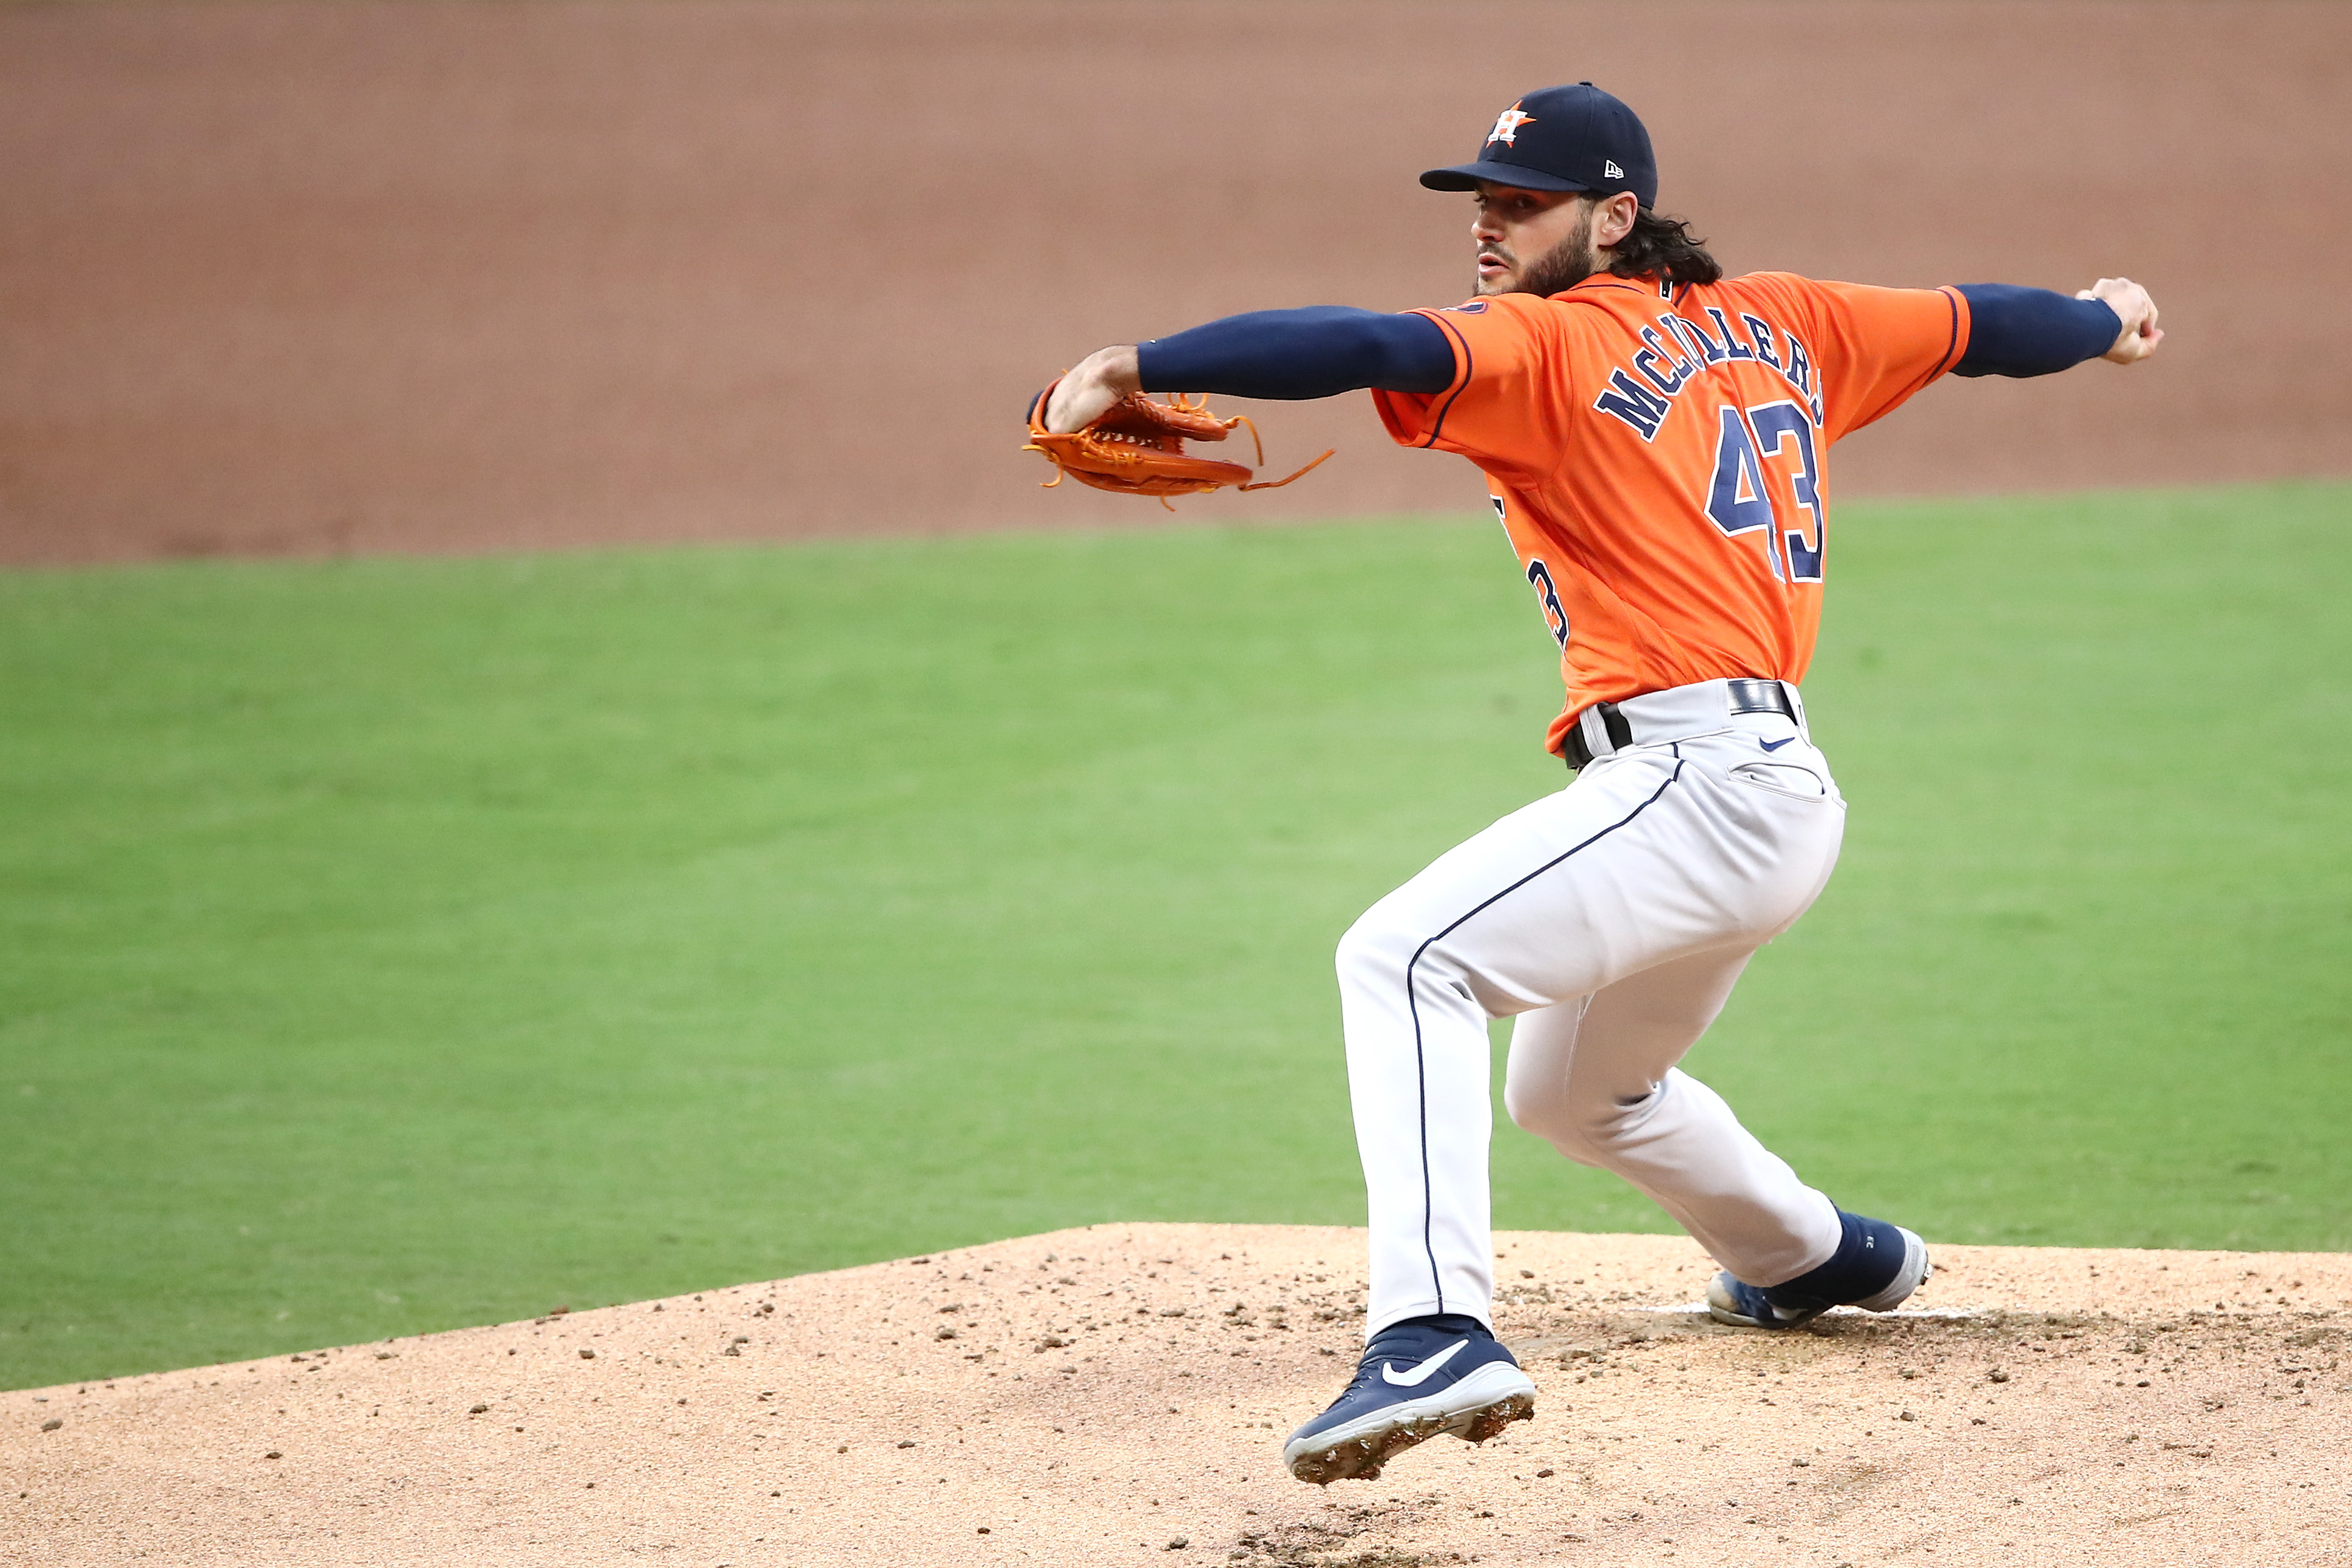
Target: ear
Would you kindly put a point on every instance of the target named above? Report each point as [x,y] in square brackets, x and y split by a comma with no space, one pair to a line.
[1612,218]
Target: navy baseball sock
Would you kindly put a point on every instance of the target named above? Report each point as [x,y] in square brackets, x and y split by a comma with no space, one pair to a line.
[1869,1256]
[1461,1323]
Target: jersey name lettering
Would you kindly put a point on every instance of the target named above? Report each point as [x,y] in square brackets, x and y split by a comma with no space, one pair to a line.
[1665,368]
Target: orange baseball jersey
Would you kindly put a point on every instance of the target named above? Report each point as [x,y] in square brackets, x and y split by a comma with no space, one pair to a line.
[1656,452]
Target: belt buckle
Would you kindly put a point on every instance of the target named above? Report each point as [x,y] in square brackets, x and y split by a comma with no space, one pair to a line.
[1749,695]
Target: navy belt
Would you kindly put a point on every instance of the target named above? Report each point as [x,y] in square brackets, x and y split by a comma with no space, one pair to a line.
[1744,695]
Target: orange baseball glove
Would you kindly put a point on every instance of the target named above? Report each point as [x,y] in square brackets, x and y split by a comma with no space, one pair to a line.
[1137,448]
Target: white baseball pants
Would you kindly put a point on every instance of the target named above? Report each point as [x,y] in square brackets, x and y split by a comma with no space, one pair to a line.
[1610,921]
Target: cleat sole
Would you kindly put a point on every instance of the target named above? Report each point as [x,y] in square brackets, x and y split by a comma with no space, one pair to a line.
[1490,1422]
[1360,1453]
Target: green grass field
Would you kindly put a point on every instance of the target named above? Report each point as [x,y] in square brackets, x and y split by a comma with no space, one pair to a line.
[394,945]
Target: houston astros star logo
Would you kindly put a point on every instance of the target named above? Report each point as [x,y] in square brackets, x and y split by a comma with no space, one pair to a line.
[1507,126]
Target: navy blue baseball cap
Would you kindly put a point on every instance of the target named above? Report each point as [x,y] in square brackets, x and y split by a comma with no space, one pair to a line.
[1561,138]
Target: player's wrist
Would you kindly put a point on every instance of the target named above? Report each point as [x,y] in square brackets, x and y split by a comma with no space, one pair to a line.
[1118,370]
[1091,386]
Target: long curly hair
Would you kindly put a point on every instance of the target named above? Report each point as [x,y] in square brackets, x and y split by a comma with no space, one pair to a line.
[1660,247]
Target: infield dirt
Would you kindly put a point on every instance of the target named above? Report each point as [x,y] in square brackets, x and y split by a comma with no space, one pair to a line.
[320,278]
[1119,1393]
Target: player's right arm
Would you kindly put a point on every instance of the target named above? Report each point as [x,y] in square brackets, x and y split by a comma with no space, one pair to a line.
[2017,331]
[1881,346]
[1293,355]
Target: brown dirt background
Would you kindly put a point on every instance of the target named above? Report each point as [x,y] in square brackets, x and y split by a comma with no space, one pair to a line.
[1096,1397]
[308,279]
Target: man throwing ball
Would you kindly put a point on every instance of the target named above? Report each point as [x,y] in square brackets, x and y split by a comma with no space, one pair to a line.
[1655,440]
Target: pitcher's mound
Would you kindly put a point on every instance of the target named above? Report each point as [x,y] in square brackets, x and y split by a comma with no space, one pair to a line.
[1120,1393]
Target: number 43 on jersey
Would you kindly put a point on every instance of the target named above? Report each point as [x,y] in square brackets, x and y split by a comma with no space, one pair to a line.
[1740,502]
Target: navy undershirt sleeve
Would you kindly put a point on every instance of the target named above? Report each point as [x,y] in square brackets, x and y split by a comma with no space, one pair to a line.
[1319,351]
[2015,331]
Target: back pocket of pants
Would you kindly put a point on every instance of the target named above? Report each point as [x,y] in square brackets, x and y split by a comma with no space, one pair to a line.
[1788,779]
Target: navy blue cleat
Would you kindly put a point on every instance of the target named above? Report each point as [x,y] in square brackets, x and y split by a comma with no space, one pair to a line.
[1418,1378]
[1876,1266]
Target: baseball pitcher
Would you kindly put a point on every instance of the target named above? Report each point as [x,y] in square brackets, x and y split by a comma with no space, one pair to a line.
[1655,439]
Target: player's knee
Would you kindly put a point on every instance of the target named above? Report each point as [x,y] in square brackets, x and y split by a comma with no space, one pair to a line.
[1585,1129]
[1562,1132]
[1602,1124]
[1375,951]
[1534,1109]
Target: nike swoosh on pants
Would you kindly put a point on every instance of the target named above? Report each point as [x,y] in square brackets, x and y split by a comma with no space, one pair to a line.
[1775,745]
[1421,1373]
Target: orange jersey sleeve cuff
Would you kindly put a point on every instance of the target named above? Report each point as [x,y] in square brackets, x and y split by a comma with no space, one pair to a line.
[1959,348]
[1418,419]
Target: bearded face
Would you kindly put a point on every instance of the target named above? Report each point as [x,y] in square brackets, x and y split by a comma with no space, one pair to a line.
[1565,265]
[1533,241]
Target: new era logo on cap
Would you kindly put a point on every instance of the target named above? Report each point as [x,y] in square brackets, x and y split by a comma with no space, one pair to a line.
[1609,168]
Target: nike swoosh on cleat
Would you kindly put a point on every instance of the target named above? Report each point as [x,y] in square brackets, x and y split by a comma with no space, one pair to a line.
[1775,745]
[1421,1373]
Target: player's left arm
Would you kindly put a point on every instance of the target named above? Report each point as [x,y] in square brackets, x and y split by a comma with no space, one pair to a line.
[2015,331]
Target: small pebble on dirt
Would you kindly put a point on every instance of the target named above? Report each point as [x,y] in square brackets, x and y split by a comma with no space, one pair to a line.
[587,1355]
[273,1454]
[984,1529]
[1997,1376]
[479,1410]
[1542,1474]
[903,1442]
[1906,1416]
[1178,1544]
[51,1425]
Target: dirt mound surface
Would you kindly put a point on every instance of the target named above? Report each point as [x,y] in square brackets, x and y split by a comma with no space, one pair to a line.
[1119,1395]
[401,274]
